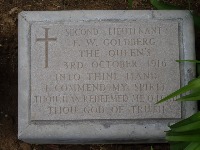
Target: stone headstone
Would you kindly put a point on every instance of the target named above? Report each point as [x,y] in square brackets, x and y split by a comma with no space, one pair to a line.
[95,76]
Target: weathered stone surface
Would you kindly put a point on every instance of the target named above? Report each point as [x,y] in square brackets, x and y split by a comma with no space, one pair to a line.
[103,69]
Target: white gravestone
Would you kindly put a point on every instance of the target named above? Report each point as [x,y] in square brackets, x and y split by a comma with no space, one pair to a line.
[95,76]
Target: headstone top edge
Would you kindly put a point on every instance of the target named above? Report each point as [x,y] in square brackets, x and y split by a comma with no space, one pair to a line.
[76,15]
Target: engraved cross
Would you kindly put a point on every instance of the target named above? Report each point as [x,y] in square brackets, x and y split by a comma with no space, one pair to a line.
[46,39]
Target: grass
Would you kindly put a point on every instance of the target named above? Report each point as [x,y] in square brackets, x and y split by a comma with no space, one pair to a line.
[185,134]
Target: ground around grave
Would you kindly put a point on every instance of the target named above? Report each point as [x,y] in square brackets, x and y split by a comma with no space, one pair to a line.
[8,65]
